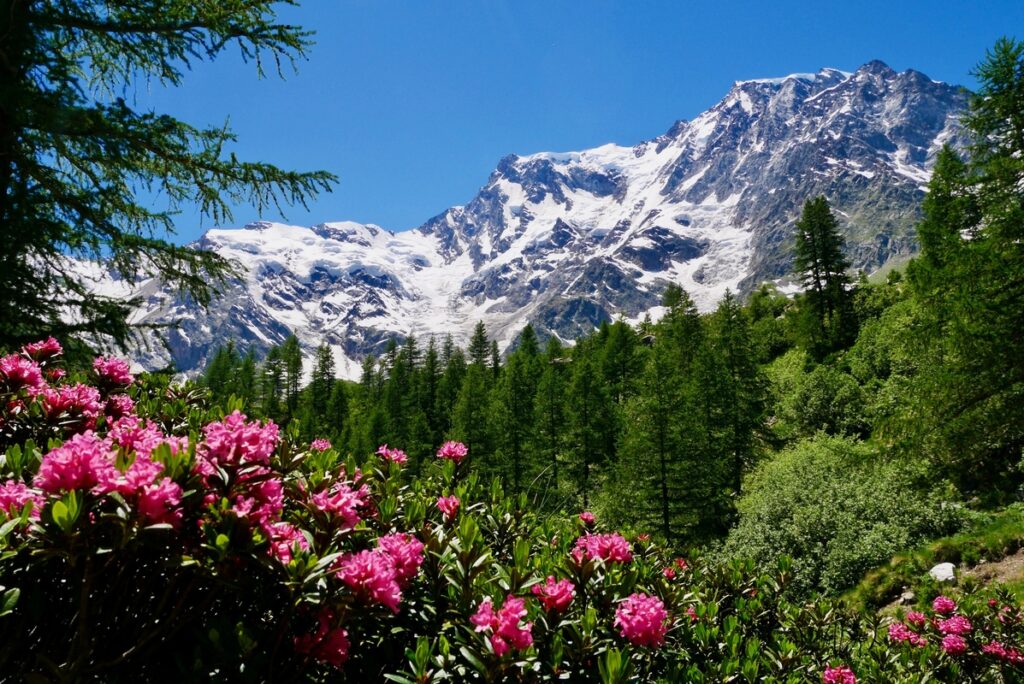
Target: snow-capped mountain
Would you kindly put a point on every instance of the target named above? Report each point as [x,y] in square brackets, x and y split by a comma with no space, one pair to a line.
[567,240]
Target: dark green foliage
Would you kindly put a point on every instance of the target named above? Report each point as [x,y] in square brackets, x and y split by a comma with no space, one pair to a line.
[968,396]
[75,156]
[828,321]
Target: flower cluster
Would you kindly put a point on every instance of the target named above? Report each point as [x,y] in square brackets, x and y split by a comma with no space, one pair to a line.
[234,441]
[320,445]
[503,626]
[379,575]
[840,674]
[555,596]
[112,371]
[328,644]
[342,502]
[611,548]
[642,620]
[14,496]
[392,455]
[448,505]
[453,451]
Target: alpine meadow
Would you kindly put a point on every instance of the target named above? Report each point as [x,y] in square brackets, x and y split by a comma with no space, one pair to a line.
[741,402]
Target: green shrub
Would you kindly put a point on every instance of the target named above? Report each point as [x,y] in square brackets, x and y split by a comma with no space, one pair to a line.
[837,509]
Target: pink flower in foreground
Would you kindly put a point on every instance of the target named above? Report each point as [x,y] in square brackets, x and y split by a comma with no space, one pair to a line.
[372,575]
[261,497]
[83,462]
[18,372]
[587,518]
[73,401]
[642,620]
[555,596]
[954,644]
[449,505]
[917,619]
[320,445]
[943,605]
[233,441]
[505,630]
[14,495]
[161,502]
[43,350]
[840,674]
[328,645]
[957,624]
[341,501]
[669,573]
[406,553]
[692,613]
[612,548]
[113,371]
[284,538]
[119,406]
[453,451]
[900,633]
[392,455]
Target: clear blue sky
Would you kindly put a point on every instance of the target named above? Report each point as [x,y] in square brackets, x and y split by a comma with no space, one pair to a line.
[412,104]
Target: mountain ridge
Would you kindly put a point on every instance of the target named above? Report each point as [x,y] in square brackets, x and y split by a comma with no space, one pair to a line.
[566,240]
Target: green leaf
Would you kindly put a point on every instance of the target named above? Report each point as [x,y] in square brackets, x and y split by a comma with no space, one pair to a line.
[9,601]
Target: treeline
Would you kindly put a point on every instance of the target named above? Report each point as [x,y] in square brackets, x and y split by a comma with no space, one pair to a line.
[696,424]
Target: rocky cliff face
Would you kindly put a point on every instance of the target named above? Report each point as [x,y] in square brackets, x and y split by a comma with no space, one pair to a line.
[567,240]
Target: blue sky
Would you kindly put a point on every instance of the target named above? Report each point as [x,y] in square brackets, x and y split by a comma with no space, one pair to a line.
[412,104]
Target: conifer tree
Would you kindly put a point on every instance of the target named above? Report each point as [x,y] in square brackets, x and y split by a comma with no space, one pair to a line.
[513,408]
[74,153]
[336,421]
[589,422]
[549,412]
[272,383]
[820,262]
[470,416]
[291,358]
[479,351]
[320,387]
[247,379]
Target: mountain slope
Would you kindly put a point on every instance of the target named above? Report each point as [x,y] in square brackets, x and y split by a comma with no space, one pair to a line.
[567,240]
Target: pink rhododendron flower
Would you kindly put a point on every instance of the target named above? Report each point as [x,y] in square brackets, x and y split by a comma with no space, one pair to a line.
[449,505]
[957,624]
[612,548]
[43,350]
[54,374]
[392,455]
[113,371]
[840,674]
[261,499]
[406,552]
[233,441]
[328,645]
[161,502]
[669,573]
[17,372]
[74,401]
[83,462]
[320,445]
[372,575]
[681,564]
[954,644]
[453,451]
[284,537]
[587,518]
[14,495]
[134,434]
[341,501]
[692,613]
[504,629]
[917,619]
[555,596]
[119,405]
[900,633]
[642,620]
[943,605]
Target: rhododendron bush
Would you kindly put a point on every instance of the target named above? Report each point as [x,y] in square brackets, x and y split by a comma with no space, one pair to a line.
[146,536]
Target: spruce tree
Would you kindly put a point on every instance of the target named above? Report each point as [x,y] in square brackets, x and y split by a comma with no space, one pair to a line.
[74,153]
[479,351]
[549,412]
[320,387]
[821,265]
[291,358]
